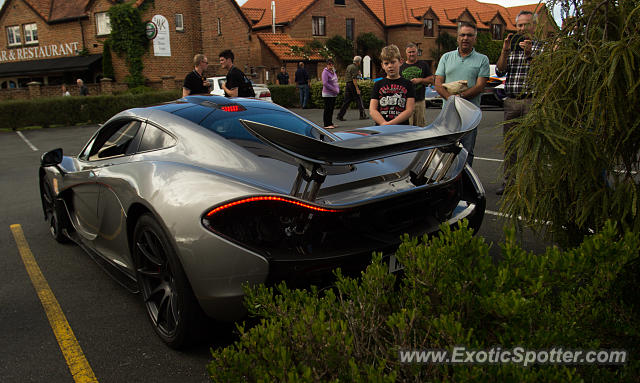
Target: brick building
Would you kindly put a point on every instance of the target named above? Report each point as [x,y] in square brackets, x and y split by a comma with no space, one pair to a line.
[57,41]
[51,42]
[392,21]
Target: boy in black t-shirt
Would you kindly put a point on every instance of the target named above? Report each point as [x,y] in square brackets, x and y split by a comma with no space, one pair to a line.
[393,97]
[237,84]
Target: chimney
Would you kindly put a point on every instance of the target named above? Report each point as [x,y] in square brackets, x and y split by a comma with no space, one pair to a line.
[273,16]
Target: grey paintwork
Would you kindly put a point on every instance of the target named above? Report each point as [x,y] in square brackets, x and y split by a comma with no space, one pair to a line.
[179,183]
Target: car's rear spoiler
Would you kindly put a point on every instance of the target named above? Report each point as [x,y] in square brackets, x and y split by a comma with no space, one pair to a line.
[457,119]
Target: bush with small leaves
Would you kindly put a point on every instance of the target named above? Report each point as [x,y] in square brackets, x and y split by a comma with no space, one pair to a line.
[451,293]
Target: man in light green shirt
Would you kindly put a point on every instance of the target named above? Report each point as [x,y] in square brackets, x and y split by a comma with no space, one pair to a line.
[464,64]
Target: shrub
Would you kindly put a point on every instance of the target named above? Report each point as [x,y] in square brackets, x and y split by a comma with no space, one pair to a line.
[452,293]
[578,147]
[73,110]
[107,61]
[366,86]
[285,95]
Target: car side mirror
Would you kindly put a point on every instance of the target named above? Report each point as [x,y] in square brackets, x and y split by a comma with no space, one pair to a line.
[51,158]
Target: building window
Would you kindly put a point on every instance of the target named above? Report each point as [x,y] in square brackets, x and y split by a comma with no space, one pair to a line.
[351,27]
[31,33]
[318,25]
[179,22]
[13,36]
[338,2]
[496,31]
[103,24]
[428,27]
[219,25]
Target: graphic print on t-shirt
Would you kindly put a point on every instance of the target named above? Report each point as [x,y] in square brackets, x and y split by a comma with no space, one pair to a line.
[413,72]
[392,100]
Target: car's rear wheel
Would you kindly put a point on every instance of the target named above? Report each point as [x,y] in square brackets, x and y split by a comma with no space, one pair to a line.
[168,298]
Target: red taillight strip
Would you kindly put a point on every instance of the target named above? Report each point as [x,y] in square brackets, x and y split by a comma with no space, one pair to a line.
[270,198]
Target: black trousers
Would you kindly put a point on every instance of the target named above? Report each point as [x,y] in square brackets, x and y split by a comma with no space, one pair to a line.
[350,94]
[329,105]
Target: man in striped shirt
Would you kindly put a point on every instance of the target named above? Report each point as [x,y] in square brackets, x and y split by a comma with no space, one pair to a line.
[515,59]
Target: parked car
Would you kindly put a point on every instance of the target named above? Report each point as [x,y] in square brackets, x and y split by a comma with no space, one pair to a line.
[494,93]
[261,90]
[187,201]
[431,97]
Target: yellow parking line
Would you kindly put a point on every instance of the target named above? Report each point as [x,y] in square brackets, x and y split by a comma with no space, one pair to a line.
[78,364]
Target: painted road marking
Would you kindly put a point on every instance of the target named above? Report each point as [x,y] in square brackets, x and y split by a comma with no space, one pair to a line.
[78,364]
[26,141]
[503,215]
[487,159]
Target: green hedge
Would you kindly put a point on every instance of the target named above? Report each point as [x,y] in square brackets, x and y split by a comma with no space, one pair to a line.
[452,293]
[287,95]
[74,110]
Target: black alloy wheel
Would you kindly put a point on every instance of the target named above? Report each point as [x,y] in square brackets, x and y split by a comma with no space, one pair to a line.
[55,228]
[167,295]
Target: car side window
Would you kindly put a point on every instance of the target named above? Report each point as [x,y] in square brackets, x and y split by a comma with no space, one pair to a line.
[155,138]
[112,140]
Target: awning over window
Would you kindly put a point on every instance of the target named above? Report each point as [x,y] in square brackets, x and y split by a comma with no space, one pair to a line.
[64,64]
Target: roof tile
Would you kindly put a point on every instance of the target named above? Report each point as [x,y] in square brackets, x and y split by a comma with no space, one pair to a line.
[65,9]
[286,10]
[280,43]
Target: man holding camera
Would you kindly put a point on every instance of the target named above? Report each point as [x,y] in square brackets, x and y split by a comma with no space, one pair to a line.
[515,60]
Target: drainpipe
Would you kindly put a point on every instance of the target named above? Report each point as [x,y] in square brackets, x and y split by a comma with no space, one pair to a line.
[81,32]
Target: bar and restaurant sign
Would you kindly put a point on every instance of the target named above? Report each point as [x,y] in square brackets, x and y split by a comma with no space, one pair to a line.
[40,52]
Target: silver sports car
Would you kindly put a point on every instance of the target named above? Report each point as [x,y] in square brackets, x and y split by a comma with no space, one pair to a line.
[187,201]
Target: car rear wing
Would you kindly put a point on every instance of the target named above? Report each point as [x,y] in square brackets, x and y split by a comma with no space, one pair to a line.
[458,118]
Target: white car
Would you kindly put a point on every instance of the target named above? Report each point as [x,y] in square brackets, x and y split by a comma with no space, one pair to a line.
[262,91]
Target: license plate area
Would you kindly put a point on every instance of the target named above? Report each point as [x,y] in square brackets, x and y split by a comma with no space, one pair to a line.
[394,264]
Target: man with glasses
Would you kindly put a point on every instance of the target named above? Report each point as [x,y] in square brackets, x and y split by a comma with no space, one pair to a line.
[196,82]
[464,64]
[514,62]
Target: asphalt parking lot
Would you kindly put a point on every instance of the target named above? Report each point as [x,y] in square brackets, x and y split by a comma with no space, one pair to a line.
[108,324]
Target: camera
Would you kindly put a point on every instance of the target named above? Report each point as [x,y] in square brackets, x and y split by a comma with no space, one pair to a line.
[515,42]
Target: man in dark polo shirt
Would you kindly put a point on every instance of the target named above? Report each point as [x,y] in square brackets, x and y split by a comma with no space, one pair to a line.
[283,77]
[196,82]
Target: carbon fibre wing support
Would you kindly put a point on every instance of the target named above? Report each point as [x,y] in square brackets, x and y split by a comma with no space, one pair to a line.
[456,120]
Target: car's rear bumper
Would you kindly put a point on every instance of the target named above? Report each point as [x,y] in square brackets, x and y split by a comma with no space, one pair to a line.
[222,299]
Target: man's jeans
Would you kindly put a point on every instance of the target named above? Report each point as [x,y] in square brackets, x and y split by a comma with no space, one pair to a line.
[513,108]
[468,142]
[303,89]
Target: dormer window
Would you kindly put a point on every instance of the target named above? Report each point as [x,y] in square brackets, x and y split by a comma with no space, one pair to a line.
[497,31]
[428,27]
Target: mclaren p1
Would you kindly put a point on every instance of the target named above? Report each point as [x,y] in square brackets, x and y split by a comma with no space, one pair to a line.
[187,201]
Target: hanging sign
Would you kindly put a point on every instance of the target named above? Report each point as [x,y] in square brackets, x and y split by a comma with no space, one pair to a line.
[161,43]
[151,30]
